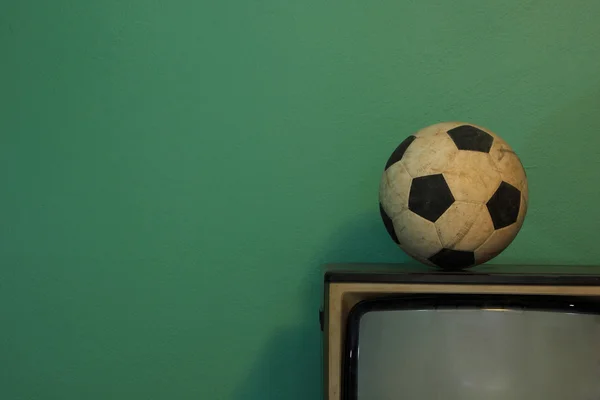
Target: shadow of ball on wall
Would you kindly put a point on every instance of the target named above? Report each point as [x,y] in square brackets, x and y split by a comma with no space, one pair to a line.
[453,195]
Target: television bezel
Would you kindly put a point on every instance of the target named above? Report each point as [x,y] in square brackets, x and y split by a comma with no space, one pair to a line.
[477,301]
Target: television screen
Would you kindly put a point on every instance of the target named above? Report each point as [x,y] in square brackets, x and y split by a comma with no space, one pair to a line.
[420,348]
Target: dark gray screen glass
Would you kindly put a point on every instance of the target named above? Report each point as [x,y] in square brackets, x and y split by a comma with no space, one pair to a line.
[478,354]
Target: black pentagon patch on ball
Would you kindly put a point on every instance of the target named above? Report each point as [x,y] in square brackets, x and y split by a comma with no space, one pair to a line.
[453,260]
[389,224]
[467,137]
[504,205]
[399,152]
[430,196]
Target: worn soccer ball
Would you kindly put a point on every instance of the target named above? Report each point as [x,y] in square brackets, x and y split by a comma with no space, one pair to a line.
[453,195]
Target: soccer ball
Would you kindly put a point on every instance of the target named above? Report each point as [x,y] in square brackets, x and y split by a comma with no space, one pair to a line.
[453,195]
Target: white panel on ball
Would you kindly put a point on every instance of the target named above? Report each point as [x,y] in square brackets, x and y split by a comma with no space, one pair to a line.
[417,235]
[508,163]
[399,183]
[472,176]
[464,226]
[392,204]
[429,155]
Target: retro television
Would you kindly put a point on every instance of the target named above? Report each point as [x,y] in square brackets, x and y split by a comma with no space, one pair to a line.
[494,332]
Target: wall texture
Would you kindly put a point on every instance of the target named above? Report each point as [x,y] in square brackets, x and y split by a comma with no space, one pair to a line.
[174,173]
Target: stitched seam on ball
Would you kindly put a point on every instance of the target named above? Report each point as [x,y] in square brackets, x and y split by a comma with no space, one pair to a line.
[387,179]
[384,205]
[405,169]
[437,231]
[494,164]
[485,241]
[461,234]
[470,202]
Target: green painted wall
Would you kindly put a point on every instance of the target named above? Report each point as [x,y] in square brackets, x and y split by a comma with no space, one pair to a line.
[174,173]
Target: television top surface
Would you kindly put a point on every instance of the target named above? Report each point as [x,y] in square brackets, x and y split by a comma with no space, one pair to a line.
[484,274]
